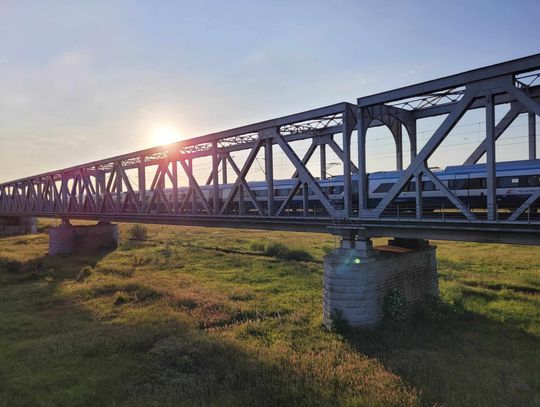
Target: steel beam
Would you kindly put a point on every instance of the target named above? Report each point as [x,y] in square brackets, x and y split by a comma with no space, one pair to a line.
[513,67]
[532,136]
[491,190]
[447,125]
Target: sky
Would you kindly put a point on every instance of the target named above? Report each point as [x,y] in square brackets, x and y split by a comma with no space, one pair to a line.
[84,80]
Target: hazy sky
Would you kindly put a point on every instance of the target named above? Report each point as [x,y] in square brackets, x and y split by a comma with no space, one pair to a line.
[82,80]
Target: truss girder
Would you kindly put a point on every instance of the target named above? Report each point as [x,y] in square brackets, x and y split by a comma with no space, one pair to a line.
[118,187]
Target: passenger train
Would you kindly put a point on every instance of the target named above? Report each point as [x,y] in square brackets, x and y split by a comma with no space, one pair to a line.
[516,180]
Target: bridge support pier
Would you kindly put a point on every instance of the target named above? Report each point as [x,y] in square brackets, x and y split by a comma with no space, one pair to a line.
[17,225]
[357,278]
[66,238]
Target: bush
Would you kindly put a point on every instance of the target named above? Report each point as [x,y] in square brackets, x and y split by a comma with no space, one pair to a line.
[121,298]
[138,232]
[395,307]
[275,249]
[453,295]
[298,255]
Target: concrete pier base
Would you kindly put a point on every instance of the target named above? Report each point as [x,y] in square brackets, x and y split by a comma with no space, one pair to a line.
[17,225]
[357,278]
[66,238]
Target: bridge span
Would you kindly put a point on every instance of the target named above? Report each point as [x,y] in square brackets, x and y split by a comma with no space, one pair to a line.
[265,176]
[229,178]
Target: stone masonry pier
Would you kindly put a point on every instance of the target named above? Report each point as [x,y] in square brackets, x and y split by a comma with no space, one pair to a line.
[17,225]
[357,277]
[67,238]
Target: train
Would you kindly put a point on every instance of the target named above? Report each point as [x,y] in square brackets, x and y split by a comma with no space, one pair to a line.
[516,180]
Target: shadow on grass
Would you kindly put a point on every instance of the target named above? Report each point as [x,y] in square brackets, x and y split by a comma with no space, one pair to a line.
[466,360]
[56,351]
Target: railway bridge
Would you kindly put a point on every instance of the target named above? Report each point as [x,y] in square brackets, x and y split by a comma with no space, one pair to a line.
[308,172]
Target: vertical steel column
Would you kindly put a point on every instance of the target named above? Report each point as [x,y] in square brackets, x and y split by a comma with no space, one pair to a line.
[532,136]
[215,177]
[419,203]
[81,191]
[224,169]
[175,185]
[411,129]
[323,160]
[269,172]
[118,188]
[192,188]
[397,132]
[490,158]
[64,192]
[142,184]
[348,127]
[305,200]
[361,127]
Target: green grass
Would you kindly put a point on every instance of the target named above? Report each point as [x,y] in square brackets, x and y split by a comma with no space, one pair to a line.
[193,316]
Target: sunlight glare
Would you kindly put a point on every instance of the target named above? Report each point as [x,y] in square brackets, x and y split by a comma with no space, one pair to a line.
[165,135]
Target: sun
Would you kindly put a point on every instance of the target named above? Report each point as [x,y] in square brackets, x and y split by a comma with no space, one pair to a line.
[165,135]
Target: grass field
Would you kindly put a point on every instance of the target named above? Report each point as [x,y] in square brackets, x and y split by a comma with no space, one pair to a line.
[196,316]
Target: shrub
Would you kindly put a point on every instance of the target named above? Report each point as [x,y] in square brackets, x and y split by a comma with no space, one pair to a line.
[121,298]
[138,232]
[298,255]
[453,295]
[280,251]
[275,249]
[395,307]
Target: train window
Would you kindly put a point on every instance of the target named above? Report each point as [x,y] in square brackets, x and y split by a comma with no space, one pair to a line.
[508,182]
[330,190]
[281,192]
[477,183]
[338,190]
[533,180]
[383,187]
[428,186]
[457,184]
[260,193]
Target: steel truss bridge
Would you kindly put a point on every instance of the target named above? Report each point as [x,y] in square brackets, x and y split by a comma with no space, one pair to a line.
[145,186]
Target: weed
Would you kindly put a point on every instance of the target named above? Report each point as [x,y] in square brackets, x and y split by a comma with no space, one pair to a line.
[138,232]
[257,246]
[395,307]
[121,297]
